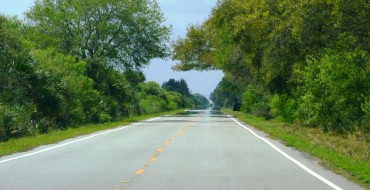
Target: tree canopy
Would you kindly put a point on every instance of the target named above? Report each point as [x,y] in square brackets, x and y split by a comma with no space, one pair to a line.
[179,86]
[282,55]
[125,34]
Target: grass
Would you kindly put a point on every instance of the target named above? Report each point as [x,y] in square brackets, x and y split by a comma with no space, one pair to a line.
[27,143]
[347,155]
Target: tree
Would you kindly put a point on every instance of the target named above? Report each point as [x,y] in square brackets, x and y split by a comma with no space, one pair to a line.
[267,47]
[227,93]
[179,86]
[201,101]
[125,34]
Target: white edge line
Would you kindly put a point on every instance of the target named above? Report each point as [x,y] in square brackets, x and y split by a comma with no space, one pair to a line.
[154,119]
[72,142]
[290,158]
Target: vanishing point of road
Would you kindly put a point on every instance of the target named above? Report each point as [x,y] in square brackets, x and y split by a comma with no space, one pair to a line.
[197,150]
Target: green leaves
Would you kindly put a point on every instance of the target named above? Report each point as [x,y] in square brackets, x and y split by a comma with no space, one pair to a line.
[60,82]
[311,56]
[124,33]
[337,84]
[153,98]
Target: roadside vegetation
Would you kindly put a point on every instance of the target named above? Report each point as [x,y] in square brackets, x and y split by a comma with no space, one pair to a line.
[72,63]
[305,63]
[345,154]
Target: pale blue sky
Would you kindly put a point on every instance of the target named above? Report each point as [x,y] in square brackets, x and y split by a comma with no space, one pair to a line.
[179,13]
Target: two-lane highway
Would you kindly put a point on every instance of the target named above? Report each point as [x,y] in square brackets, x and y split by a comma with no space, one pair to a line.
[198,150]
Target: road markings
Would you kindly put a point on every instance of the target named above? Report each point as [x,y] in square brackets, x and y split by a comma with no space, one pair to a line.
[75,141]
[139,172]
[65,144]
[289,157]
[159,150]
[154,119]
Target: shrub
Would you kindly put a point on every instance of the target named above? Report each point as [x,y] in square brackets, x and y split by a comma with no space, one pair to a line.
[64,93]
[15,121]
[256,101]
[284,107]
[335,87]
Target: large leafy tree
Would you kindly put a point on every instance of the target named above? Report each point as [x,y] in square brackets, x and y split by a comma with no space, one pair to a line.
[125,34]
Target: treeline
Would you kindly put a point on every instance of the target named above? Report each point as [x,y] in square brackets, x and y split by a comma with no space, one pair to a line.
[299,61]
[180,86]
[77,62]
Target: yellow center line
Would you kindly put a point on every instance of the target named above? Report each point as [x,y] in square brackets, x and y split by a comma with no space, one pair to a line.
[160,149]
[139,172]
[153,159]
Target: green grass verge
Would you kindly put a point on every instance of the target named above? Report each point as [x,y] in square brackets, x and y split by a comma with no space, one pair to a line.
[28,143]
[347,155]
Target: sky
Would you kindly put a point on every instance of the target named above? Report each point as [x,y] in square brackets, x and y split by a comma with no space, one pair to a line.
[178,13]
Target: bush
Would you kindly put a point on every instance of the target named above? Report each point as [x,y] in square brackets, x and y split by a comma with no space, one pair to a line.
[250,99]
[256,101]
[366,109]
[15,121]
[335,90]
[64,93]
[152,104]
[284,107]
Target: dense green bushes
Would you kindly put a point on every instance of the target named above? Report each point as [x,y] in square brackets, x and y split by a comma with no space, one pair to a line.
[77,63]
[152,98]
[59,94]
[15,121]
[337,85]
[255,101]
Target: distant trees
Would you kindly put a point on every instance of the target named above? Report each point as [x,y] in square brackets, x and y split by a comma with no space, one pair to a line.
[294,61]
[200,101]
[181,87]
[227,93]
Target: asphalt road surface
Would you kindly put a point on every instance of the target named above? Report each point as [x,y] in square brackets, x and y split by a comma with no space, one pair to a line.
[199,150]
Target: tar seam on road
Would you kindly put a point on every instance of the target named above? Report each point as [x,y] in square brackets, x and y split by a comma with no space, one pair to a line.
[72,142]
[290,158]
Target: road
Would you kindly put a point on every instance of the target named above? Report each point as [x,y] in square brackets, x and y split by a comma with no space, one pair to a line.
[199,150]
